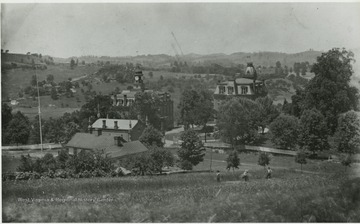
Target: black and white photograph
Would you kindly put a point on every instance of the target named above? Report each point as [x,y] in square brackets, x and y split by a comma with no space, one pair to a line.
[180,112]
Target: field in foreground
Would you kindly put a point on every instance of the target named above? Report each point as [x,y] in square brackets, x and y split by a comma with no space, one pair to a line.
[197,197]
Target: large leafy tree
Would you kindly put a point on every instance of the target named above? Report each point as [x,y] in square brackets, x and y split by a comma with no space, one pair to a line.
[238,120]
[196,107]
[284,131]
[313,131]
[160,158]
[192,149]
[233,160]
[330,91]
[151,136]
[18,129]
[6,115]
[147,107]
[267,113]
[347,136]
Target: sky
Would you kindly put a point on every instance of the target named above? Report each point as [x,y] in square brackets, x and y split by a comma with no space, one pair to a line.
[129,29]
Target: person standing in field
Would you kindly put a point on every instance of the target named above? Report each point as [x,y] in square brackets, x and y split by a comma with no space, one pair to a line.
[268,174]
[245,175]
[218,176]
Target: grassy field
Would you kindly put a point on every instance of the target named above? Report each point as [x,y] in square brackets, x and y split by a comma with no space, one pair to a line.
[288,197]
[19,79]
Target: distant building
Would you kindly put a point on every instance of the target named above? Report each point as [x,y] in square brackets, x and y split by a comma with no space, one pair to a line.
[129,130]
[127,97]
[113,146]
[248,86]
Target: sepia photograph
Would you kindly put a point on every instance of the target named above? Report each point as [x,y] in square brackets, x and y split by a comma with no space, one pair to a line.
[180,112]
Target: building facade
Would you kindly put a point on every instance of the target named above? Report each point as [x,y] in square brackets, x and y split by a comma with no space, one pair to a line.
[248,86]
[129,130]
[127,97]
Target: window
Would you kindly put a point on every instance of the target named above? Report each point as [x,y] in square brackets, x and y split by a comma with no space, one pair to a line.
[244,90]
[221,89]
[230,90]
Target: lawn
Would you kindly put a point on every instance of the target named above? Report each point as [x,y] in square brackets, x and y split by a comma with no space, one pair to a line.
[197,197]
[19,79]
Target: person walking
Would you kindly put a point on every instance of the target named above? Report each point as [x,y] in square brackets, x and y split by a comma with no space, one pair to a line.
[245,175]
[218,176]
[268,174]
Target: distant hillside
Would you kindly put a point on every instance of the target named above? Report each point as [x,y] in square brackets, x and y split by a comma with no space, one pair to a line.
[164,61]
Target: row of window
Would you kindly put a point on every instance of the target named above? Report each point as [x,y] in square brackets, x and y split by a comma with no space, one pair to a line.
[244,90]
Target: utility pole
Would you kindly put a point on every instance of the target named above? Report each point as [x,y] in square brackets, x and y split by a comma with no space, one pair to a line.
[38,92]
[211,158]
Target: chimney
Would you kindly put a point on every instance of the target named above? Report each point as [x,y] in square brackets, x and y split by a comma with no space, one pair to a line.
[104,124]
[99,132]
[130,126]
[116,125]
[117,140]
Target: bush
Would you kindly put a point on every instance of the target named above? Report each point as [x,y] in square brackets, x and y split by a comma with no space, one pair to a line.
[186,165]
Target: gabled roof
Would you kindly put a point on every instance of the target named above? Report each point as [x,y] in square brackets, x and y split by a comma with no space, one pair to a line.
[123,124]
[106,143]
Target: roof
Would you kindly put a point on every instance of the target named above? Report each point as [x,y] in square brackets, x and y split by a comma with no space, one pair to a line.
[127,149]
[246,81]
[107,143]
[123,124]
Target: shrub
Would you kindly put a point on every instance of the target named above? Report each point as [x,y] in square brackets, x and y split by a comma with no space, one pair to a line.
[264,159]
[186,165]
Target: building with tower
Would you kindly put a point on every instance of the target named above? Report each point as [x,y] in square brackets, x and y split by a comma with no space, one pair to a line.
[127,97]
[247,86]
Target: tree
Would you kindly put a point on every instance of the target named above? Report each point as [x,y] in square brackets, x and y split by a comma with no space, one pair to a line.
[284,131]
[263,159]
[161,78]
[330,91]
[192,149]
[33,80]
[35,130]
[268,112]
[313,131]
[50,78]
[70,129]
[6,116]
[196,107]
[72,63]
[18,129]
[53,94]
[147,105]
[151,75]
[233,160]
[151,136]
[160,158]
[300,158]
[347,135]
[237,120]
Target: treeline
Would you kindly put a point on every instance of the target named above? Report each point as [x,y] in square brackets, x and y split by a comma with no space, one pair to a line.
[321,117]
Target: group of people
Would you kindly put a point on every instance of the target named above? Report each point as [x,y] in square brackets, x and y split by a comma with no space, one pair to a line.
[246,175]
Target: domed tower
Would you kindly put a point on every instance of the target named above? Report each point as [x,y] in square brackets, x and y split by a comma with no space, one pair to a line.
[250,71]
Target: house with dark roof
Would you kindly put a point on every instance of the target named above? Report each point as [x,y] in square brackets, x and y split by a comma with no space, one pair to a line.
[113,146]
[130,130]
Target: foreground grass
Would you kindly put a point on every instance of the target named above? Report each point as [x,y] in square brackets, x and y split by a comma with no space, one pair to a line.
[288,197]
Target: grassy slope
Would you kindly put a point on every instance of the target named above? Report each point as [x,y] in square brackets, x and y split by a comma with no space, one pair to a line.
[288,197]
